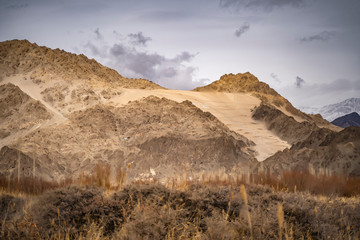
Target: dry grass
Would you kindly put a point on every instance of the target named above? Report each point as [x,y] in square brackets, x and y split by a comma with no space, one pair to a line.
[210,206]
[289,181]
[156,212]
[293,181]
[29,185]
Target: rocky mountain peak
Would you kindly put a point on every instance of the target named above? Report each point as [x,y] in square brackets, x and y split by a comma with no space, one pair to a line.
[43,64]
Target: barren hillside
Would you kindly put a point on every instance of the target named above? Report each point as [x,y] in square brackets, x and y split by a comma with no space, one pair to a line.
[158,137]
[43,64]
[63,114]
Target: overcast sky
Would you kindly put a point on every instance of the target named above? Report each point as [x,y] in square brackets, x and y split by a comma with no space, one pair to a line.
[307,50]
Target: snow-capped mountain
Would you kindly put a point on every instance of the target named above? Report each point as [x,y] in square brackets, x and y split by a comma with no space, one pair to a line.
[333,111]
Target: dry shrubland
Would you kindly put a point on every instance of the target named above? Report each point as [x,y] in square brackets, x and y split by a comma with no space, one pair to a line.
[212,207]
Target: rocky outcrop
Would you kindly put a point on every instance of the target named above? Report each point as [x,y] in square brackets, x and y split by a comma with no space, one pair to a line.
[286,127]
[43,64]
[156,136]
[323,152]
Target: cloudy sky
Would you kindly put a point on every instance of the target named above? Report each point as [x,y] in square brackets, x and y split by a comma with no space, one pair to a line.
[307,50]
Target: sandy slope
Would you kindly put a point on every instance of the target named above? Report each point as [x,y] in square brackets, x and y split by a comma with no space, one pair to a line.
[34,91]
[233,109]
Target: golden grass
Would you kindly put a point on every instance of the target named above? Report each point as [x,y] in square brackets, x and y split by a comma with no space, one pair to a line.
[244,196]
[289,181]
[151,212]
[234,222]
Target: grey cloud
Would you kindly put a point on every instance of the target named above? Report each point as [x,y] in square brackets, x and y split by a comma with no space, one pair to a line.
[241,30]
[18,6]
[98,34]
[275,77]
[144,64]
[334,87]
[139,64]
[341,85]
[162,16]
[266,5]
[299,82]
[95,50]
[117,50]
[118,35]
[139,38]
[184,57]
[320,94]
[169,72]
[135,62]
[323,37]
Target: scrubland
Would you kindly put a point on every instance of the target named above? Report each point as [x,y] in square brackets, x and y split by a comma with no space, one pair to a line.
[297,205]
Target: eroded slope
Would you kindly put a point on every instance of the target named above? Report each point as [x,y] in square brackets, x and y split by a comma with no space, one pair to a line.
[19,112]
[158,137]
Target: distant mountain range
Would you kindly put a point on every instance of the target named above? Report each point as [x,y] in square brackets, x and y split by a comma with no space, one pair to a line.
[333,111]
[349,120]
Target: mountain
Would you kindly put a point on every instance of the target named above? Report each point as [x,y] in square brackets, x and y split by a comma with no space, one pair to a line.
[349,120]
[248,83]
[333,111]
[62,114]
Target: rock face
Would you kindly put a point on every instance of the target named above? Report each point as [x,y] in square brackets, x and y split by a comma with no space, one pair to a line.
[158,137]
[286,127]
[319,150]
[349,120]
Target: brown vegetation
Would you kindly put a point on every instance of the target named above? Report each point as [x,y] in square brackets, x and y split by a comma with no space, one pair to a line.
[214,207]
